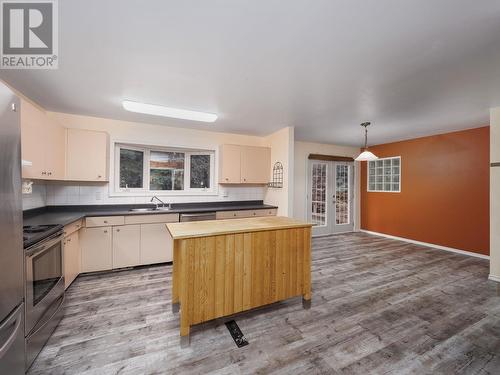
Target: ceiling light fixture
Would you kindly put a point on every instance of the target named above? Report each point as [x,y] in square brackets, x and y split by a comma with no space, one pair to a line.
[366,155]
[158,110]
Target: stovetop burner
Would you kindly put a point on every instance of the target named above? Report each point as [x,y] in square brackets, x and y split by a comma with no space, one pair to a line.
[36,228]
[32,234]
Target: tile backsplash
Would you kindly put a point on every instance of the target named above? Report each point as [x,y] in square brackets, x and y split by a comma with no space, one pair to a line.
[38,198]
[50,194]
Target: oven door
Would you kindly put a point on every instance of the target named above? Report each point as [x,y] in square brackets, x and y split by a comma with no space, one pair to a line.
[44,278]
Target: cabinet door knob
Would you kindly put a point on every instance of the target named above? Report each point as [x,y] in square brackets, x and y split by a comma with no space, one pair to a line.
[105,231]
[118,230]
[105,221]
[44,173]
[227,179]
[99,176]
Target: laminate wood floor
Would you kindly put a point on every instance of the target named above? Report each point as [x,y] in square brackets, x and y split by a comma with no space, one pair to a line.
[379,306]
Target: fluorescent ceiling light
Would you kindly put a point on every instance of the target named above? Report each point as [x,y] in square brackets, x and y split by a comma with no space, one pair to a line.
[158,110]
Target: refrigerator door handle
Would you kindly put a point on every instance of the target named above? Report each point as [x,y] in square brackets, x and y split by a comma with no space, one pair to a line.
[18,319]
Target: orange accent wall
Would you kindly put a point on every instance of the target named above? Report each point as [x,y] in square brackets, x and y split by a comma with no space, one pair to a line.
[444,197]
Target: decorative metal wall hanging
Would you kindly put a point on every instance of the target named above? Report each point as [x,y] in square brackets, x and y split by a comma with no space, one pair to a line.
[277,181]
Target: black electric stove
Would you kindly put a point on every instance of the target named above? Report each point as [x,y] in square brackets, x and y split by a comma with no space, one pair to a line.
[36,233]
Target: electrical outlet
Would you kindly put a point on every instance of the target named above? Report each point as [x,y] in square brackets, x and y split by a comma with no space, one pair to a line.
[27,187]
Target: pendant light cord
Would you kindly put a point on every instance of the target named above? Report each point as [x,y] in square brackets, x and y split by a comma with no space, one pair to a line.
[366,137]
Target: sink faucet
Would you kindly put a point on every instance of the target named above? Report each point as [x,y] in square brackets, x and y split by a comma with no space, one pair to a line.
[158,201]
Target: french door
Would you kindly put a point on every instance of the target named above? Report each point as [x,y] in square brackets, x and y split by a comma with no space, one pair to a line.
[330,196]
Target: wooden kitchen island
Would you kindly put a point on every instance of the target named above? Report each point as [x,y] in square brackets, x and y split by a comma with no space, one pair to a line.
[222,267]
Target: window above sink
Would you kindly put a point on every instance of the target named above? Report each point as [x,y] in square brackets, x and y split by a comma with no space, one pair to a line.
[162,170]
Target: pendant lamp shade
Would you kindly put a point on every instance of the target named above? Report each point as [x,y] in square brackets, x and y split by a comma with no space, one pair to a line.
[366,155]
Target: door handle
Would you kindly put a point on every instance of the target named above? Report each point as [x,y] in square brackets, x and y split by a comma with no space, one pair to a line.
[12,337]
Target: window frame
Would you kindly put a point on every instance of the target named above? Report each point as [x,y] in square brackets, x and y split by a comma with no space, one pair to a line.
[383,191]
[145,191]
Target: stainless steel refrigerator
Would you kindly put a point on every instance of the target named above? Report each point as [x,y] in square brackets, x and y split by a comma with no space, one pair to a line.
[11,238]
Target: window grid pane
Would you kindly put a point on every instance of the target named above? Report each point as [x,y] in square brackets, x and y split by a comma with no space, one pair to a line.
[131,168]
[200,171]
[318,194]
[342,194]
[166,170]
[384,175]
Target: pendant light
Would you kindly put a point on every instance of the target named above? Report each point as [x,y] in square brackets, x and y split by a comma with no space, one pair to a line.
[366,155]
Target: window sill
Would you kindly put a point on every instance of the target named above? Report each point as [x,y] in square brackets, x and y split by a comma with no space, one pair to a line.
[162,194]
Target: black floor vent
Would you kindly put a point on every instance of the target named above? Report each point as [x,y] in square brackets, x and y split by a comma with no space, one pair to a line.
[236,333]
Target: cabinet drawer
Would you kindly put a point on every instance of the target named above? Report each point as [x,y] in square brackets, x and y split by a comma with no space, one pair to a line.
[266,212]
[103,221]
[226,215]
[245,213]
[73,227]
[152,219]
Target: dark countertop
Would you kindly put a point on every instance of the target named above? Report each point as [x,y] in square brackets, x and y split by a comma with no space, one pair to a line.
[65,215]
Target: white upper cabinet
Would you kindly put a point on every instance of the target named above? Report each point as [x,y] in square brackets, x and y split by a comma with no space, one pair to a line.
[57,153]
[244,164]
[86,155]
[42,143]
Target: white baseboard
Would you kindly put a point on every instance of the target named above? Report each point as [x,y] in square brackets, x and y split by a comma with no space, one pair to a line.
[494,278]
[463,252]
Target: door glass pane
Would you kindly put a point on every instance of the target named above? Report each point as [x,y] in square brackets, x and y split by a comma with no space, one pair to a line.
[200,171]
[342,194]
[318,194]
[131,168]
[46,272]
[166,170]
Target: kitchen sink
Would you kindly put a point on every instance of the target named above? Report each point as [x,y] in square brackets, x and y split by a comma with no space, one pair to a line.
[163,209]
[149,209]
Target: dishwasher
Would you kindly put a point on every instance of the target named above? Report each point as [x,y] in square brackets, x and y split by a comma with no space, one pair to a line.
[198,216]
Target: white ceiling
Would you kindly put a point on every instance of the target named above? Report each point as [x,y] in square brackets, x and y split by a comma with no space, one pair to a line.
[412,67]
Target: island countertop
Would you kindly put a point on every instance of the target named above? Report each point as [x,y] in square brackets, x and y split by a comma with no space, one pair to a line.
[231,226]
[223,267]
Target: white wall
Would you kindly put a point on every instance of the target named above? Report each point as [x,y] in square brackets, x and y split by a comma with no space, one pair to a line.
[282,146]
[302,151]
[495,194]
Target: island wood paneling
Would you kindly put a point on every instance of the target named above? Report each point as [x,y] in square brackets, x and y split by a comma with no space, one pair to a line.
[221,275]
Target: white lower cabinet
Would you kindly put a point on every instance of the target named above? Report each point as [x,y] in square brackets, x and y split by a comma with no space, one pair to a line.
[112,242]
[97,252]
[126,245]
[156,244]
[72,256]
